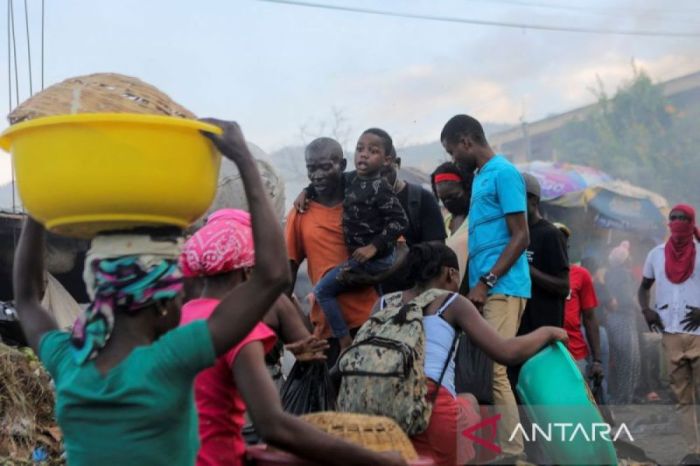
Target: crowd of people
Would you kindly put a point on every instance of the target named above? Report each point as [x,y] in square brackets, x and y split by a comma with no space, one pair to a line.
[147,377]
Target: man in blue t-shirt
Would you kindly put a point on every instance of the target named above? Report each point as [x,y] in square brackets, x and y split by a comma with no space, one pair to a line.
[499,276]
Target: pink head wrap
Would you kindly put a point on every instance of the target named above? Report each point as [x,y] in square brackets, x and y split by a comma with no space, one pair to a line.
[224,244]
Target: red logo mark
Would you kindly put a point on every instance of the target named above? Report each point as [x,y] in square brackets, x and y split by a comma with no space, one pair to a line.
[485,442]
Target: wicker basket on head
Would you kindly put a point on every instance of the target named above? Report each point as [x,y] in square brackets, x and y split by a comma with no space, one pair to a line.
[375,433]
[98,93]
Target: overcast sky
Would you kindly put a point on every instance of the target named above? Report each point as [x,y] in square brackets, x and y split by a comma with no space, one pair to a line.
[275,67]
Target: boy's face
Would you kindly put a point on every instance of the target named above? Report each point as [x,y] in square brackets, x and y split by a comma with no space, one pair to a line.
[369,155]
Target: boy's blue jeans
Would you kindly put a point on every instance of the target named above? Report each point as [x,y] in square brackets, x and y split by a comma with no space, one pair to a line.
[329,287]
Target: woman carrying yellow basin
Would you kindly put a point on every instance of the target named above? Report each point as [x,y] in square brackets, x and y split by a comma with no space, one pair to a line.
[124,375]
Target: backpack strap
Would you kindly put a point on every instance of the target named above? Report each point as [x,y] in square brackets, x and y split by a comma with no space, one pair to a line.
[446,304]
[439,312]
[391,299]
[444,368]
[415,197]
[427,297]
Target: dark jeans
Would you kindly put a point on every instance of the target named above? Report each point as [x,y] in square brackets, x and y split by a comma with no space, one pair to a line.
[329,287]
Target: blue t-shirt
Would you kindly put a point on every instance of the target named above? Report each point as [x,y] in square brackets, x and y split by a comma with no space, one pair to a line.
[498,190]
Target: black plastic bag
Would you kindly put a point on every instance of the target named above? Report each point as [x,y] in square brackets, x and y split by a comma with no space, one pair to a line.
[473,371]
[308,389]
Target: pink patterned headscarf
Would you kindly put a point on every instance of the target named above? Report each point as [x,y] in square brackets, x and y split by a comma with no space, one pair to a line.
[224,244]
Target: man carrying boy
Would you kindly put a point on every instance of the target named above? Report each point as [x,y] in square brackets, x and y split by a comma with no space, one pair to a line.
[317,236]
[373,220]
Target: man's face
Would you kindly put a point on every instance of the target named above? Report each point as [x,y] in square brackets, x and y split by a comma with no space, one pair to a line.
[462,152]
[325,171]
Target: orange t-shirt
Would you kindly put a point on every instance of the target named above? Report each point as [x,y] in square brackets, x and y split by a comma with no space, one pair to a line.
[317,236]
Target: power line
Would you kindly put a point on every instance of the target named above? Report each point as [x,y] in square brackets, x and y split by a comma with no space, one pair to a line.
[587,9]
[610,13]
[14,51]
[479,22]
[540,5]
[29,47]
[13,48]
[43,16]
[9,58]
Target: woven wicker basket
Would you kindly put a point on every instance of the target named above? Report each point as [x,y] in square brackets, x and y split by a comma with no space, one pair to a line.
[375,433]
[98,93]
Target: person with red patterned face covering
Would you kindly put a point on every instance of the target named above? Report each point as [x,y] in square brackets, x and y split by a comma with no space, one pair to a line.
[673,267]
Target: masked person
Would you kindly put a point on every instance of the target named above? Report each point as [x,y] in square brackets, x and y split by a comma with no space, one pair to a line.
[453,187]
[673,267]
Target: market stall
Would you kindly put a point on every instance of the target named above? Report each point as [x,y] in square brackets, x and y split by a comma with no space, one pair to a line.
[598,208]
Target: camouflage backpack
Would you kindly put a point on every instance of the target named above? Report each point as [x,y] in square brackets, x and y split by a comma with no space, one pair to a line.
[383,370]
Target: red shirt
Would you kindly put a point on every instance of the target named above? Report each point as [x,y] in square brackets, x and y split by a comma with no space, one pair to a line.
[219,404]
[581,299]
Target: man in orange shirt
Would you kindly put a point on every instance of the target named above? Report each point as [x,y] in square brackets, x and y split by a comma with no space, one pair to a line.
[317,237]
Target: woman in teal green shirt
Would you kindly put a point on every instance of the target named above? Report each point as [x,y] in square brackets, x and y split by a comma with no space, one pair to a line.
[124,376]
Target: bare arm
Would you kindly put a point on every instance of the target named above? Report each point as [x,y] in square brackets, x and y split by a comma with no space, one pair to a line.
[287,320]
[644,293]
[590,321]
[643,296]
[519,240]
[287,432]
[245,305]
[294,266]
[511,351]
[28,283]
[557,284]
[356,277]
[302,200]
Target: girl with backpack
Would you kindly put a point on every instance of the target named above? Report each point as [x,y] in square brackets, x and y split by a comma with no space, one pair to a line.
[436,421]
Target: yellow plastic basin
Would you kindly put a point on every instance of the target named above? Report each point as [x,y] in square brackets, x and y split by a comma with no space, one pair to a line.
[86,173]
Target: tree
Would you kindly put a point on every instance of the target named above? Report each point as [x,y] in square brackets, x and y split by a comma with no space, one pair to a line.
[336,127]
[638,135]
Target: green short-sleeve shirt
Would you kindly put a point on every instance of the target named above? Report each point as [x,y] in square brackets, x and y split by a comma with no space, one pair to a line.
[142,411]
